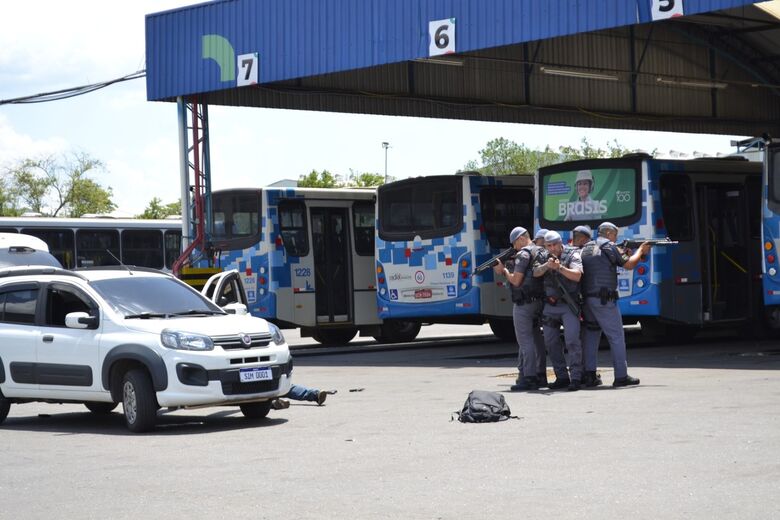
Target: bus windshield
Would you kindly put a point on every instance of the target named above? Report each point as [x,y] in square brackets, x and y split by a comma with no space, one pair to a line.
[595,194]
[427,207]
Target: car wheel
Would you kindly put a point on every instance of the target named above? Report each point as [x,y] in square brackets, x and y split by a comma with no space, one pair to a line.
[100,408]
[256,410]
[138,401]
[5,405]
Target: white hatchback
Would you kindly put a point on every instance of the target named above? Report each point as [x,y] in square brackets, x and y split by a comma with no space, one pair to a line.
[102,336]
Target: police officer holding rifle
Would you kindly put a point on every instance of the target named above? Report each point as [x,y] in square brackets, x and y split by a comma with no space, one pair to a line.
[561,269]
[600,259]
[527,294]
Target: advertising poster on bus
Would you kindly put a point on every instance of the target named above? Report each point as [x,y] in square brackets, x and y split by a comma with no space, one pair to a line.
[592,195]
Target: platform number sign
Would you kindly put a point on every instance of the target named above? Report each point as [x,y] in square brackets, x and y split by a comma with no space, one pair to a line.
[442,33]
[247,65]
[663,9]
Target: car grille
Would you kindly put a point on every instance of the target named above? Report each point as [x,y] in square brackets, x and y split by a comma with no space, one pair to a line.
[249,388]
[233,341]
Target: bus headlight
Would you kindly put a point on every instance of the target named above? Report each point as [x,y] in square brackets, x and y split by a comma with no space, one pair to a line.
[178,340]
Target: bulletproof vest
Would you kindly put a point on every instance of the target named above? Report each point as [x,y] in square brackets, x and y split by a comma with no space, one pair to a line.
[597,269]
[551,286]
[531,287]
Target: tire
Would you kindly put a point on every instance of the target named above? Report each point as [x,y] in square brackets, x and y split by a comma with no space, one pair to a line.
[335,337]
[398,332]
[504,329]
[256,410]
[100,408]
[5,405]
[138,401]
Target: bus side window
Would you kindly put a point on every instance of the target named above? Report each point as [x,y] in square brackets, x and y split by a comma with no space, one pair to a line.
[292,225]
[363,219]
[677,206]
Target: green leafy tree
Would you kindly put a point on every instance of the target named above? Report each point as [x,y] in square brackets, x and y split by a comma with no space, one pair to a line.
[156,209]
[57,186]
[367,180]
[315,179]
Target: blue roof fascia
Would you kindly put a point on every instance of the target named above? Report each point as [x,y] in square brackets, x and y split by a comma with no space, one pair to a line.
[300,38]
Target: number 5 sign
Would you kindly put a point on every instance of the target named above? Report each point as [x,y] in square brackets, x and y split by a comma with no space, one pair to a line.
[442,33]
[662,9]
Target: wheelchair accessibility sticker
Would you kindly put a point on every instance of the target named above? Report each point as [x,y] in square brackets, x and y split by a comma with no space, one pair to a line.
[393,294]
[450,290]
[623,284]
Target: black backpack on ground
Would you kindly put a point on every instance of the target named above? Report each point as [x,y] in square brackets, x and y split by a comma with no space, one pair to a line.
[483,406]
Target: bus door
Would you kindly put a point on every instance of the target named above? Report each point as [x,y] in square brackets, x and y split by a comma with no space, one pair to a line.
[332,278]
[725,246]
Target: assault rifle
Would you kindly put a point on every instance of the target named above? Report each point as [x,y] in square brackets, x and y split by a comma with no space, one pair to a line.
[633,243]
[573,307]
[503,256]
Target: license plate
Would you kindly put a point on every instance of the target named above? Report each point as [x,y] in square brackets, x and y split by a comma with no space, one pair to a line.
[422,293]
[249,375]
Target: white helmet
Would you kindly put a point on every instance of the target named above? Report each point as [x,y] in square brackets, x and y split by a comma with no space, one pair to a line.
[585,175]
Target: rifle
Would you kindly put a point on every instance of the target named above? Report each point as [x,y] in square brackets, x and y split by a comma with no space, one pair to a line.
[633,243]
[502,257]
[573,307]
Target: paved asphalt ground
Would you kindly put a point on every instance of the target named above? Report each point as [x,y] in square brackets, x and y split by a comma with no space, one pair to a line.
[699,438]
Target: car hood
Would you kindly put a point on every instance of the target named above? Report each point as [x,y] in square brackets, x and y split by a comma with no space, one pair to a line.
[207,325]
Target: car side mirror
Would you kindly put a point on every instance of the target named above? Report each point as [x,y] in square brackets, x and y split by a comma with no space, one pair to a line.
[235,308]
[80,320]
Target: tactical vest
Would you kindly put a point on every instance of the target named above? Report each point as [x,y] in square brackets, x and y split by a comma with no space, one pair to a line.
[551,286]
[597,269]
[531,288]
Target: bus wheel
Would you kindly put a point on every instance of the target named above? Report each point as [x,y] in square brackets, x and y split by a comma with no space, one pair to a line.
[334,337]
[398,332]
[504,329]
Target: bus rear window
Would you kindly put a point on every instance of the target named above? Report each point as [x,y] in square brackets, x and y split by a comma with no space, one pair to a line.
[235,218]
[428,208]
[504,208]
[590,195]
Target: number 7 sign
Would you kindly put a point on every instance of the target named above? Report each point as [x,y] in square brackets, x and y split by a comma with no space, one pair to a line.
[247,65]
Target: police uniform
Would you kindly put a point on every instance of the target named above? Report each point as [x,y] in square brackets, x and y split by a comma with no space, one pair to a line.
[600,260]
[526,311]
[556,312]
[591,378]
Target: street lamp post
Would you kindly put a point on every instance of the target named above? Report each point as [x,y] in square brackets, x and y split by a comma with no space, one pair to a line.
[385,145]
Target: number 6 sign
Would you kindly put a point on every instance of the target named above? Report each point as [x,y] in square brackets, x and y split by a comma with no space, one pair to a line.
[442,33]
[663,9]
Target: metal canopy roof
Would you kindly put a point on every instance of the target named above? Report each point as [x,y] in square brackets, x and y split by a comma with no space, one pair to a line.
[593,63]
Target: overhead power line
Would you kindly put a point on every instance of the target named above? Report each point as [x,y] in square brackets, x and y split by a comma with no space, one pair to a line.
[70,92]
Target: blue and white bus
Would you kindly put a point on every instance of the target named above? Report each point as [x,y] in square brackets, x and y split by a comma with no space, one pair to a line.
[712,207]
[306,258]
[430,234]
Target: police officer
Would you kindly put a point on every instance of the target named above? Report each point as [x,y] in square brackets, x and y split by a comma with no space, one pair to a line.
[527,294]
[600,259]
[581,236]
[539,237]
[562,269]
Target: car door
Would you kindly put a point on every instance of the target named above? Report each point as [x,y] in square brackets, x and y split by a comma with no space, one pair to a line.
[18,335]
[67,357]
[227,290]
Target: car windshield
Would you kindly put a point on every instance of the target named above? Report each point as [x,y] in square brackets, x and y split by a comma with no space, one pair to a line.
[153,297]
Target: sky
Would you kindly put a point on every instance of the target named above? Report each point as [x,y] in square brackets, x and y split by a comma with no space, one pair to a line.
[51,45]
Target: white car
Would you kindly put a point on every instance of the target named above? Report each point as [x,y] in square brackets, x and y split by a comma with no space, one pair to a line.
[21,249]
[101,336]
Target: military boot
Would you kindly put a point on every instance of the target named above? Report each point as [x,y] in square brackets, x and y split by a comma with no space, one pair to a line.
[525,384]
[592,379]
